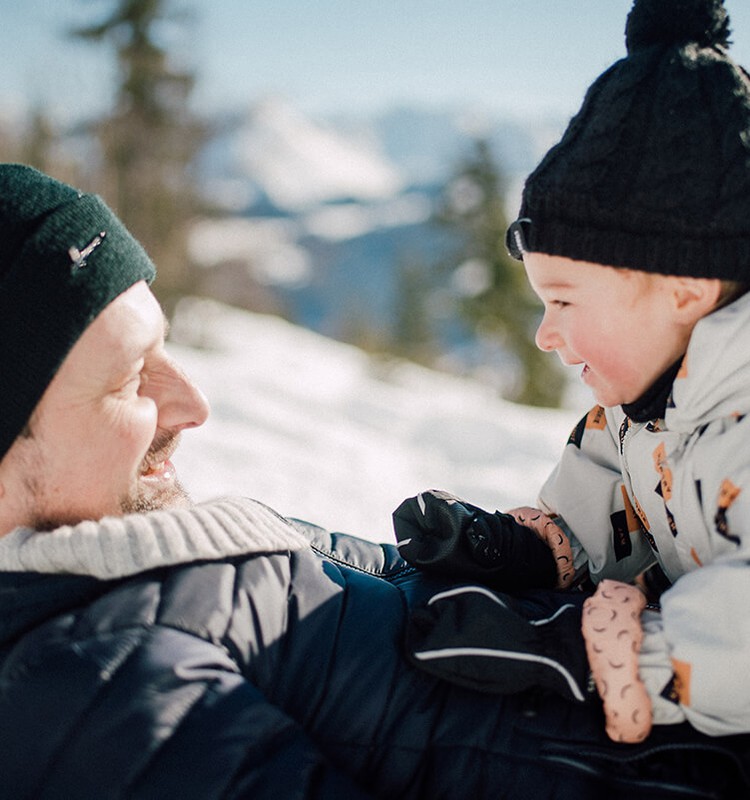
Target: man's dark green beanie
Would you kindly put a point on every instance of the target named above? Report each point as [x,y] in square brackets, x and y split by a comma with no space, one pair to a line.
[64,256]
[653,173]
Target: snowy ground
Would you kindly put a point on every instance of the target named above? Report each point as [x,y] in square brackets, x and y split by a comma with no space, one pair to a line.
[319,430]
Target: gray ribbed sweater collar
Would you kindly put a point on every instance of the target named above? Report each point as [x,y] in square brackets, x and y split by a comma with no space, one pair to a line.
[116,547]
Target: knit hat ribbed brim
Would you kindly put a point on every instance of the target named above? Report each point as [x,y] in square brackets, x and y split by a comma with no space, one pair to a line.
[65,256]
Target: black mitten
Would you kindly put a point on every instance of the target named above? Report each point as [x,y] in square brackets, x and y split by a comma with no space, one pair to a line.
[442,534]
[472,637]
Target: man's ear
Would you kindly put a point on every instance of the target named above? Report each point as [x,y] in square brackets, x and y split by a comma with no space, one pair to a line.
[694,297]
[5,525]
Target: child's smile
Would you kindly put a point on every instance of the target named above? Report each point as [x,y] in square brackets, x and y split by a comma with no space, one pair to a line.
[620,325]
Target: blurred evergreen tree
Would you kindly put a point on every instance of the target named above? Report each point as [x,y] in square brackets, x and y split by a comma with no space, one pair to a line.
[496,298]
[9,144]
[35,139]
[413,336]
[151,138]
[38,142]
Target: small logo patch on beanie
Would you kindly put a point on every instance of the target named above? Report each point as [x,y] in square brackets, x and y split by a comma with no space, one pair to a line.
[78,257]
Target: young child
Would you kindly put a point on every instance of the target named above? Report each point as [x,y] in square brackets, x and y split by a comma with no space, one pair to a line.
[634,231]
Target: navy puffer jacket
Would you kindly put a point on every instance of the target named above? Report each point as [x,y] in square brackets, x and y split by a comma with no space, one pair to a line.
[281,675]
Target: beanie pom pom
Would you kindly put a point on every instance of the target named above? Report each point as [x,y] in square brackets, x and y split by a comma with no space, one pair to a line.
[677,22]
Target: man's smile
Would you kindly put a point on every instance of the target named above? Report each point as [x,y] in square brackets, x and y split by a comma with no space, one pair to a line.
[157,466]
[159,470]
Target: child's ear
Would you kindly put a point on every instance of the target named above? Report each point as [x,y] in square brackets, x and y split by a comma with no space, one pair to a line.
[694,297]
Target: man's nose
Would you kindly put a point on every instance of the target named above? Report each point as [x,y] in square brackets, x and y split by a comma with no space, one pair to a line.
[181,403]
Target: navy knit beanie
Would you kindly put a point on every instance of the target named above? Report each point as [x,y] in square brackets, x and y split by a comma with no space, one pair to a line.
[653,173]
[64,256]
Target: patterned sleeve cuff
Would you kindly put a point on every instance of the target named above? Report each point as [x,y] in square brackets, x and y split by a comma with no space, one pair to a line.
[655,670]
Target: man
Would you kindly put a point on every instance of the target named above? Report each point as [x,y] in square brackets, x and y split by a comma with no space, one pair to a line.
[118,402]
[150,649]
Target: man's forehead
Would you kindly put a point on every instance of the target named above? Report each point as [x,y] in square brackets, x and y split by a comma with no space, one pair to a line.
[134,311]
[130,325]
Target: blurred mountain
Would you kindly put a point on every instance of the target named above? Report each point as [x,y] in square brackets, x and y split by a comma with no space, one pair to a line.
[325,220]
[301,163]
[276,157]
[427,144]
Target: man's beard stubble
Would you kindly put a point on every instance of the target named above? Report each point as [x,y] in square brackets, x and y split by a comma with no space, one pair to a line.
[144,498]
[141,497]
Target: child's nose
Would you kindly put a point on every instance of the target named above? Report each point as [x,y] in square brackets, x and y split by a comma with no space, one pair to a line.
[547,338]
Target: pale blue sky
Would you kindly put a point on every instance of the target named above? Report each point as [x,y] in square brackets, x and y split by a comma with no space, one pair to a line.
[343,55]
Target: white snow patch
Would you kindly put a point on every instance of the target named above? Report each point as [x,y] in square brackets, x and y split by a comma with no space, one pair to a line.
[319,430]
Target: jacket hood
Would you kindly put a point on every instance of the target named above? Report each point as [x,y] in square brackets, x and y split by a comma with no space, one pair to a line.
[714,380]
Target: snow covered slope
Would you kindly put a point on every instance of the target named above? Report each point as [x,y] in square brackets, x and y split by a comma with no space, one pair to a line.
[319,430]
